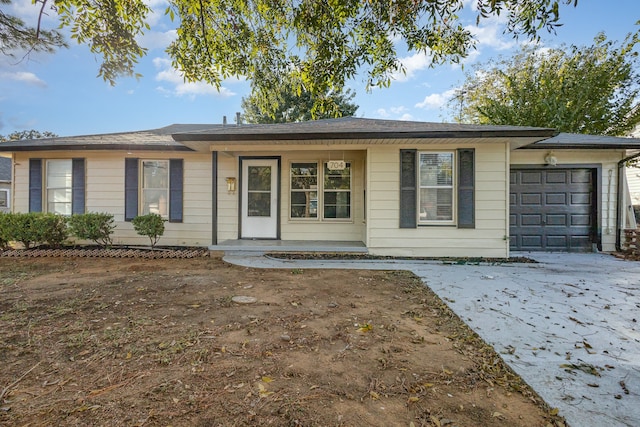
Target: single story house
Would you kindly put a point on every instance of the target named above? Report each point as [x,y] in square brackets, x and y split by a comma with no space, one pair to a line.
[5,184]
[391,187]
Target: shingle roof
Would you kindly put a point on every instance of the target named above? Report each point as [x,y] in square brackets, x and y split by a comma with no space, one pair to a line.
[357,128]
[5,169]
[154,139]
[170,138]
[578,141]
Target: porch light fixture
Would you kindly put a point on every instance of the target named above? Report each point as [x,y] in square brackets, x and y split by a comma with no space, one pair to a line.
[231,184]
[550,159]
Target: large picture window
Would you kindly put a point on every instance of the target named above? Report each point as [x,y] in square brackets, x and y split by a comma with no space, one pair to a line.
[436,187]
[59,186]
[320,193]
[155,187]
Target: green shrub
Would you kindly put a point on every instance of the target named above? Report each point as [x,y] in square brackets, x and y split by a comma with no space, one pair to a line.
[150,225]
[35,228]
[5,230]
[23,229]
[51,229]
[97,227]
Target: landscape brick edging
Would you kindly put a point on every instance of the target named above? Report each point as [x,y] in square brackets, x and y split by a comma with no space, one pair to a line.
[106,253]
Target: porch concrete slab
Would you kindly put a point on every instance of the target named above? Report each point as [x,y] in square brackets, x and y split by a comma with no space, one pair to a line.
[265,246]
[568,325]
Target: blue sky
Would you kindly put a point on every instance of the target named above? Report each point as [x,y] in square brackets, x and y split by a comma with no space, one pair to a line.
[60,92]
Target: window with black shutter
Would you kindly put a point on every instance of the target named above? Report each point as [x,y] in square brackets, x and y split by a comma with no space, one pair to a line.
[437,188]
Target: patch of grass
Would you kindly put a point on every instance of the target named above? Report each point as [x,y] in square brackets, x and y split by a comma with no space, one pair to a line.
[78,339]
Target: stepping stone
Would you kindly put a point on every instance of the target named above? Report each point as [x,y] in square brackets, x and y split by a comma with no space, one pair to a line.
[240,299]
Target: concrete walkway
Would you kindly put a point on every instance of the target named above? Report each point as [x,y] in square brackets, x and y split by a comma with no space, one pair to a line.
[567,325]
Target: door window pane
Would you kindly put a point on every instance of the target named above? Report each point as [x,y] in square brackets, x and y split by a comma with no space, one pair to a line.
[259,204]
[259,178]
[259,191]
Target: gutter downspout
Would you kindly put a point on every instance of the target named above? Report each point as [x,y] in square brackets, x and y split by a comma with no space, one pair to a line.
[619,207]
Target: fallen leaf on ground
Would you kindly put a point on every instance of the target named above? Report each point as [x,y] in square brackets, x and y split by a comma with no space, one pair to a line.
[365,327]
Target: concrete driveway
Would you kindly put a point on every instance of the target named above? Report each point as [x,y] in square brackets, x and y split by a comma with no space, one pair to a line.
[567,325]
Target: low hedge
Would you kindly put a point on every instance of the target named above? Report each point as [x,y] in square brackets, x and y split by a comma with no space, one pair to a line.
[33,229]
[38,228]
[97,227]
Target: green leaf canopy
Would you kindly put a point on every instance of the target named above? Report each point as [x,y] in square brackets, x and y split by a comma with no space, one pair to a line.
[580,89]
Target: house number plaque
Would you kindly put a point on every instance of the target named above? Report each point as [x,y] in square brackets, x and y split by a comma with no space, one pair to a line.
[336,165]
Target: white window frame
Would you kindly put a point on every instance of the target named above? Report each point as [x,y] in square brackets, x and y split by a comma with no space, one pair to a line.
[7,198]
[422,214]
[316,190]
[162,207]
[320,190]
[49,189]
[338,191]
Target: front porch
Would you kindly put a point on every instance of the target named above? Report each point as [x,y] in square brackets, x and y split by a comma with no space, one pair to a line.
[248,245]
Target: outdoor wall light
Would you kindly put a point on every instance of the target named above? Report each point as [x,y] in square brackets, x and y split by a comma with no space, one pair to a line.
[550,159]
[231,184]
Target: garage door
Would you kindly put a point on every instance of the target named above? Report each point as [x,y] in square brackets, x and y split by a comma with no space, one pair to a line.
[552,210]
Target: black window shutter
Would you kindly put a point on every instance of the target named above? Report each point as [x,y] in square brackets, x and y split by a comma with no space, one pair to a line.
[408,189]
[176,180]
[130,188]
[77,186]
[466,188]
[35,185]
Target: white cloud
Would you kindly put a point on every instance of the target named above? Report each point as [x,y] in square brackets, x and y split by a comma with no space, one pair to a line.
[398,113]
[29,12]
[436,100]
[24,77]
[472,4]
[491,34]
[412,64]
[179,87]
[157,39]
[157,11]
[382,112]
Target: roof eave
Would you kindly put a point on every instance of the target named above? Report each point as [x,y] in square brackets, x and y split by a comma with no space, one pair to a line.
[544,146]
[90,147]
[306,136]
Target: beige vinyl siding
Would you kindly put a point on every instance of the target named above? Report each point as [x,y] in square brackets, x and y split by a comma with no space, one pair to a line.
[227,203]
[385,237]
[295,229]
[633,181]
[608,160]
[105,193]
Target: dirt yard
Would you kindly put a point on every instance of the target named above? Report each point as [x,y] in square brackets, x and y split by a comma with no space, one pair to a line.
[113,342]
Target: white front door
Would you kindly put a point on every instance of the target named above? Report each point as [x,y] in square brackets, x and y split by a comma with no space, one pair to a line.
[259,204]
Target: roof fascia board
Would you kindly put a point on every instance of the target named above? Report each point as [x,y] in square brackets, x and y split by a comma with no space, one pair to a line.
[551,146]
[306,136]
[102,147]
